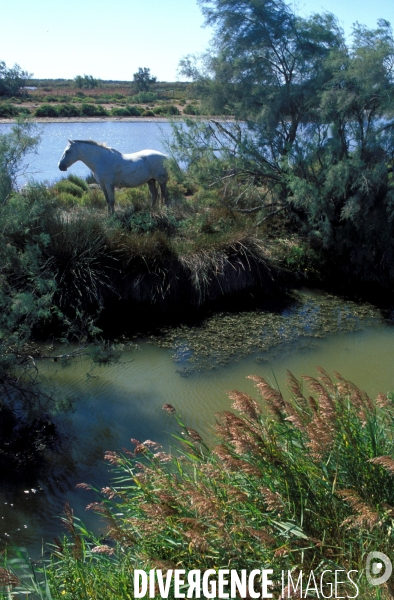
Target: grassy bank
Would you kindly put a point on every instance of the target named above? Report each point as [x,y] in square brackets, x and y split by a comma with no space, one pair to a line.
[187,255]
[301,481]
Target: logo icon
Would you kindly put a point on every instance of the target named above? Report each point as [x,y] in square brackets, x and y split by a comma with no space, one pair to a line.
[379,568]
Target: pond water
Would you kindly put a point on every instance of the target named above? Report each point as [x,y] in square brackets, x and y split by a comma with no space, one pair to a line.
[190,368]
[125,137]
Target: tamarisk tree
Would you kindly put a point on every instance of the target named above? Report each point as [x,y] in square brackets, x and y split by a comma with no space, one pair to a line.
[313,125]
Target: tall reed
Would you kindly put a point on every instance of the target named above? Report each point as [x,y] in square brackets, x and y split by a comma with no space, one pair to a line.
[296,482]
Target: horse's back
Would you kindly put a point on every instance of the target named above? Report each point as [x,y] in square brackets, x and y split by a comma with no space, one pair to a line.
[139,167]
[153,154]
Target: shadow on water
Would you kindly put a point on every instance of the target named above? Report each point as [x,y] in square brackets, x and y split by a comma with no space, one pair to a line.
[189,365]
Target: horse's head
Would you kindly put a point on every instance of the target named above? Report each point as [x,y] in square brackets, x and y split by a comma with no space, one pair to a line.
[69,156]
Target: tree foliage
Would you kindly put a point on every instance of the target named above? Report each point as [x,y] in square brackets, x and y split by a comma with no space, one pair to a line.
[143,79]
[313,122]
[86,81]
[12,80]
[14,147]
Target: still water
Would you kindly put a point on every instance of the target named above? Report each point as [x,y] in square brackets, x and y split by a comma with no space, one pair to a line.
[190,368]
[125,137]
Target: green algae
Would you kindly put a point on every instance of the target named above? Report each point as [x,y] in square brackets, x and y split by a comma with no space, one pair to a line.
[226,337]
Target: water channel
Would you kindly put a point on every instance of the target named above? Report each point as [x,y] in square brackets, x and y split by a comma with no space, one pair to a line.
[188,367]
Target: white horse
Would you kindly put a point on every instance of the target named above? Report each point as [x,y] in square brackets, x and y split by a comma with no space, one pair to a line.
[112,168]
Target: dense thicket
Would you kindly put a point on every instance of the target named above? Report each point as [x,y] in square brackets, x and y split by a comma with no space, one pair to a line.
[314,124]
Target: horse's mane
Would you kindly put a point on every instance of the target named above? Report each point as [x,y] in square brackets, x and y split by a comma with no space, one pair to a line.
[101,144]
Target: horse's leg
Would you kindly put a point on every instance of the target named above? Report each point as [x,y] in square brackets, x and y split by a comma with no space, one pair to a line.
[109,193]
[164,192]
[153,191]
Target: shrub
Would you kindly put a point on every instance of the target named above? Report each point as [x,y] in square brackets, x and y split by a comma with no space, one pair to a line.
[148,222]
[144,97]
[139,197]
[67,200]
[190,109]
[46,110]
[119,112]
[93,198]
[78,181]
[92,110]
[69,187]
[148,113]
[14,146]
[8,110]
[167,109]
[134,111]
[127,111]
[74,254]
[68,110]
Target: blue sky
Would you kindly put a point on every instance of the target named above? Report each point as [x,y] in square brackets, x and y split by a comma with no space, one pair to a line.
[110,39]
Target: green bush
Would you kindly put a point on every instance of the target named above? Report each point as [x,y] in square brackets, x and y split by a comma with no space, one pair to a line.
[92,110]
[148,222]
[191,109]
[139,197]
[148,113]
[134,111]
[67,200]
[127,111]
[68,110]
[8,110]
[14,146]
[94,198]
[69,187]
[75,255]
[46,110]
[144,97]
[167,109]
[78,181]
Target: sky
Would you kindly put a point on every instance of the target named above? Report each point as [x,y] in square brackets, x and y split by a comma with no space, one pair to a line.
[111,39]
